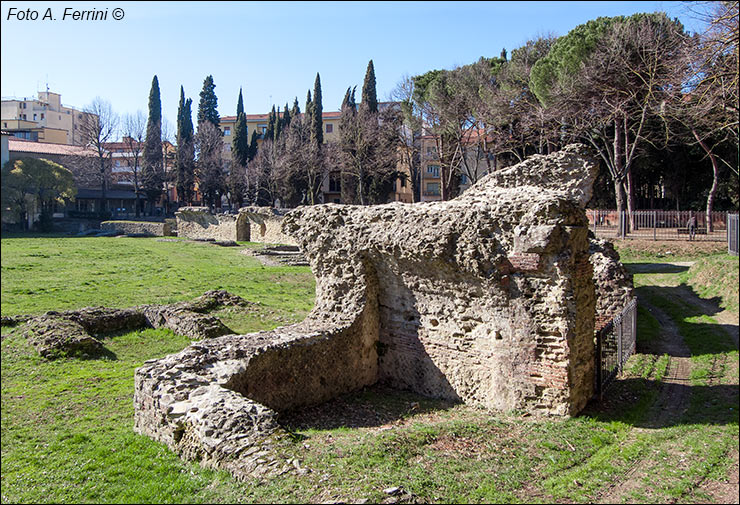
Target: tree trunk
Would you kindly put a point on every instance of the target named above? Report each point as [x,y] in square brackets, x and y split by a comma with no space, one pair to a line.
[618,171]
[629,190]
[715,179]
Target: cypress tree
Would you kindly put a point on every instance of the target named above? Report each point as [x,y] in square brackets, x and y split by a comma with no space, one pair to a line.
[309,105]
[240,142]
[151,176]
[286,118]
[278,125]
[239,105]
[207,107]
[185,149]
[369,93]
[252,146]
[270,132]
[295,111]
[317,121]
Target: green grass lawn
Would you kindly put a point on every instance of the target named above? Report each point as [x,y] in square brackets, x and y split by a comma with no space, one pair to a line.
[67,425]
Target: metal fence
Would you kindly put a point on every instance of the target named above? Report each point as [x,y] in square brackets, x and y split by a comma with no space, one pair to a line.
[658,224]
[615,343]
[733,233]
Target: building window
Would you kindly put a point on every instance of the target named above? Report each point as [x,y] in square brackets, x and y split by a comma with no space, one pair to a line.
[5,125]
[464,179]
[34,117]
[227,131]
[403,182]
[24,105]
[432,189]
[24,117]
[334,184]
[329,128]
[60,117]
[42,115]
[433,169]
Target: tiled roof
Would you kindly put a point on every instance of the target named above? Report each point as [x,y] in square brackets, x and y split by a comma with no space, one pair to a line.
[29,146]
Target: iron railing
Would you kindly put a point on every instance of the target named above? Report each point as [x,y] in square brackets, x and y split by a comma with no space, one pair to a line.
[615,343]
[733,233]
[658,225]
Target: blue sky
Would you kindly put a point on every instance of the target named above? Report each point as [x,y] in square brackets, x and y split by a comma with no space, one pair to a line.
[271,49]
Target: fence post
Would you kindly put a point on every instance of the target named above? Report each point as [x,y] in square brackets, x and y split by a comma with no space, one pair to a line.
[618,328]
[655,224]
[599,372]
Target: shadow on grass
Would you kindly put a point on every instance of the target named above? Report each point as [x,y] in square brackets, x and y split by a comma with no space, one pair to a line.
[681,304]
[711,404]
[655,268]
[373,406]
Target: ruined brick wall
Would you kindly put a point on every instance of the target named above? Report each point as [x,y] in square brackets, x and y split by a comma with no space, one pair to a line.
[199,223]
[488,298]
[265,225]
[468,311]
[146,227]
[614,288]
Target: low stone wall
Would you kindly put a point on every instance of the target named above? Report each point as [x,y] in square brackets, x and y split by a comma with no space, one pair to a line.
[56,334]
[154,229]
[265,225]
[200,223]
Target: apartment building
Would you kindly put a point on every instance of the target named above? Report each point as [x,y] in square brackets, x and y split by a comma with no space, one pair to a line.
[331,185]
[258,123]
[42,119]
[124,161]
[473,165]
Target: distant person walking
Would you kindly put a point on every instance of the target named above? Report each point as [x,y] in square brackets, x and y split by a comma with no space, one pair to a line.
[692,226]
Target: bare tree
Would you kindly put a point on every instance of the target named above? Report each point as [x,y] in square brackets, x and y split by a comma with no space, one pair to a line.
[709,111]
[98,127]
[168,159]
[134,130]
[409,133]
[209,165]
[620,87]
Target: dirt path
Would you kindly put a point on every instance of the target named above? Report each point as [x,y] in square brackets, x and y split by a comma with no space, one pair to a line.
[671,404]
[675,393]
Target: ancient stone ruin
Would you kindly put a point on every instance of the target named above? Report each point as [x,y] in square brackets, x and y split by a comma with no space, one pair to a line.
[488,298]
[55,334]
[254,224]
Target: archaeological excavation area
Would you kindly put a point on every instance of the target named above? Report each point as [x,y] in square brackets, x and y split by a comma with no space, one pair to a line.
[491,299]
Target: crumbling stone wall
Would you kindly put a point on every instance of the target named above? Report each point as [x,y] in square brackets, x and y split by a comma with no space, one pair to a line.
[153,229]
[55,334]
[488,298]
[265,225]
[614,288]
[200,223]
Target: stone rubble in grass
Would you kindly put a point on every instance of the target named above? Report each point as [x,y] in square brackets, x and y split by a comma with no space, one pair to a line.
[55,334]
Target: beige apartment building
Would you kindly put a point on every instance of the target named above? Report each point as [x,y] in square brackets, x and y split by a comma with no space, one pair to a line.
[331,186]
[42,119]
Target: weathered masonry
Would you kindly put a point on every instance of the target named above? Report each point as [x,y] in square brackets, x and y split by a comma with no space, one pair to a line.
[488,298]
[256,224]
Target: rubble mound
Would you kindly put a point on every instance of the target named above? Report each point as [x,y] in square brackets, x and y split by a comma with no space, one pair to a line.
[55,334]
